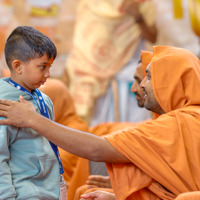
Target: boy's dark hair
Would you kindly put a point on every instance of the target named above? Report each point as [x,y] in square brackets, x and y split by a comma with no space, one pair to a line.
[26,43]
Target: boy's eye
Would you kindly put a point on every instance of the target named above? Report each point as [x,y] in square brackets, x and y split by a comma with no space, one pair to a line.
[45,66]
[42,67]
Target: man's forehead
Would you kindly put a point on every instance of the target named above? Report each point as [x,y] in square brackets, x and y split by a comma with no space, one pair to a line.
[138,71]
[148,69]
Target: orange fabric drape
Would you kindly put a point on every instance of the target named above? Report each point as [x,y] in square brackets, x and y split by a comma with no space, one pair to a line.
[79,177]
[164,152]
[145,57]
[4,73]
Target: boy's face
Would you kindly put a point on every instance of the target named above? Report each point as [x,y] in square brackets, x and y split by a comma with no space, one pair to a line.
[34,73]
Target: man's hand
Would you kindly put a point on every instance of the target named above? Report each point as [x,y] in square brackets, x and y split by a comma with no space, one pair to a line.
[98,195]
[17,114]
[130,7]
[99,181]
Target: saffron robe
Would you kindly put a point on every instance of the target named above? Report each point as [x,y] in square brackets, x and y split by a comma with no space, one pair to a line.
[164,152]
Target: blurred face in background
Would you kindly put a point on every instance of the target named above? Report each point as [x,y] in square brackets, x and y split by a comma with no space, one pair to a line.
[136,88]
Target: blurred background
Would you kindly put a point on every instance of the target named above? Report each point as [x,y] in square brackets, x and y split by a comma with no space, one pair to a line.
[99,44]
[55,18]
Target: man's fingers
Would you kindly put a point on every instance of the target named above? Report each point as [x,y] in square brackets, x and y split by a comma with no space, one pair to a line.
[22,100]
[3,107]
[3,112]
[5,102]
[16,112]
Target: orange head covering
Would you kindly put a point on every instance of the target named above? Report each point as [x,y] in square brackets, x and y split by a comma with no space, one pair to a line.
[145,57]
[175,77]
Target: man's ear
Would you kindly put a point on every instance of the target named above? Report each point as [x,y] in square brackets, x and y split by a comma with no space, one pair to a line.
[16,65]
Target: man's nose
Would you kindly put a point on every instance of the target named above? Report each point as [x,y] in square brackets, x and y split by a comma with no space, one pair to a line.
[143,82]
[134,87]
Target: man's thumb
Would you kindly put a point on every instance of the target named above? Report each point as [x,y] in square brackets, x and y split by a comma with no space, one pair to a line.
[21,99]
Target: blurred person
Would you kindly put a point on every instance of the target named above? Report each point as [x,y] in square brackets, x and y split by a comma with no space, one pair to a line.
[100,63]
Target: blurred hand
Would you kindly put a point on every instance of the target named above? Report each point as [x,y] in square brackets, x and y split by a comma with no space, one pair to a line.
[98,195]
[130,7]
[99,181]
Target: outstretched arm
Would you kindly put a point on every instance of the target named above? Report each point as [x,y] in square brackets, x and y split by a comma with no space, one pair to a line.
[80,143]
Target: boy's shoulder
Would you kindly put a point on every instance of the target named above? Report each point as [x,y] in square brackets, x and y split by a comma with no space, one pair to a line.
[4,80]
[9,92]
[6,89]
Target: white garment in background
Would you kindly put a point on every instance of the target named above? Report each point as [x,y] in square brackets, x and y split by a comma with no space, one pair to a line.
[175,32]
[128,107]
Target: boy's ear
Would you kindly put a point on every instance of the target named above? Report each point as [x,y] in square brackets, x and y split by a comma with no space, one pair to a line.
[16,65]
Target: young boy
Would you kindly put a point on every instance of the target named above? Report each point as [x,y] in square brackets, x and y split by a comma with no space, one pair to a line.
[29,163]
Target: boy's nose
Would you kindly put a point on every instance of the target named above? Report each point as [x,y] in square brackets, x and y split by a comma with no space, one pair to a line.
[47,73]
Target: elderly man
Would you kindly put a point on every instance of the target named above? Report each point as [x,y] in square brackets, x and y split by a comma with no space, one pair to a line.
[158,159]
